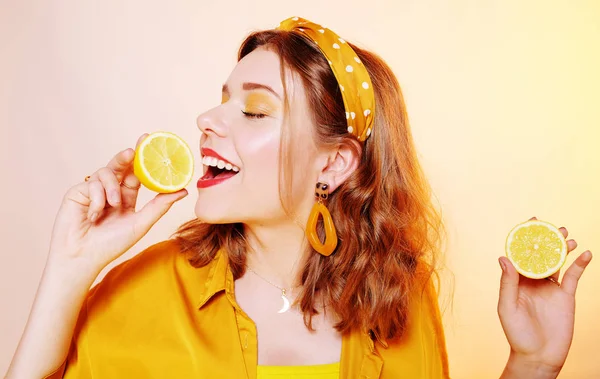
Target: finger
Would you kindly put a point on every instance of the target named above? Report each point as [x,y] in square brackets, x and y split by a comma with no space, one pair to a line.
[509,286]
[112,187]
[142,137]
[156,208]
[574,272]
[564,231]
[122,160]
[130,195]
[131,188]
[121,163]
[97,199]
[571,245]
[533,218]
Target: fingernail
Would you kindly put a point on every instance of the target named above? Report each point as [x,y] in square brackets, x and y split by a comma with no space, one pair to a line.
[94,217]
[502,265]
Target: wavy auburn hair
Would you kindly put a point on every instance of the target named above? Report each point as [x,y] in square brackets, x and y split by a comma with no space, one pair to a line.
[387,226]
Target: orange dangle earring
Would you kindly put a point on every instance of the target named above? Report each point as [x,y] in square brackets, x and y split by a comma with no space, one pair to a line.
[321,193]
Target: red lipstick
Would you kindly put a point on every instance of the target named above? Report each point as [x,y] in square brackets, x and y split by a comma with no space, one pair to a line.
[204,183]
[214,175]
[208,152]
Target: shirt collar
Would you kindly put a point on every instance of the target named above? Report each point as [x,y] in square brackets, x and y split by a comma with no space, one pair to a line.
[220,278]
[216,281]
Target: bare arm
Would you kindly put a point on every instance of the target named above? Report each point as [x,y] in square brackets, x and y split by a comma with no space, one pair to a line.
[96,223]
[45,343]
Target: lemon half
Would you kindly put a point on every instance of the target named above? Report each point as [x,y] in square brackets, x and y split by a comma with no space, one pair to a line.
[536,248]
[163,162]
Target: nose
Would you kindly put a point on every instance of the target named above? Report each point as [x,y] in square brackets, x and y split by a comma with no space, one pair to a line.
[212,122]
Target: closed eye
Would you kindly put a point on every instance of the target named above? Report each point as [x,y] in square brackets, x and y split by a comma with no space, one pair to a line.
[254,115]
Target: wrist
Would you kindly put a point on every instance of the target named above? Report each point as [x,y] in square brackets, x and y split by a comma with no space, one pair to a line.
[520,366]
[73,271]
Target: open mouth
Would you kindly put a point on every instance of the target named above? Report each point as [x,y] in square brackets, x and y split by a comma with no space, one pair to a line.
[218,168]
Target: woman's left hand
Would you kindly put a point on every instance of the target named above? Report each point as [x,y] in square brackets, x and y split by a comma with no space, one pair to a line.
[538,317]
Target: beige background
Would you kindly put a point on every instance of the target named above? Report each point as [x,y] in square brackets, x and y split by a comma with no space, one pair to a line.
[503,96]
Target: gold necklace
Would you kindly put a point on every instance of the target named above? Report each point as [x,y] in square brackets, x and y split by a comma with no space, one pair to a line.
[286,301]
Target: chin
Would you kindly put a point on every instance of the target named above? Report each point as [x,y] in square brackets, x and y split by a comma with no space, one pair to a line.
[211,213]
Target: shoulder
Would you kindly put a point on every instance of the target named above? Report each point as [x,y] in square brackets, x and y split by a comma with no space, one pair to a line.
[152,262]
[161,272]
[139,305]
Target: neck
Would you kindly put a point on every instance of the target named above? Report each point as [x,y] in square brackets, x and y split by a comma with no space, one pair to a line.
[276,252]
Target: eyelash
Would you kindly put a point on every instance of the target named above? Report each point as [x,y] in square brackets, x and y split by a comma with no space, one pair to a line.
[254,115]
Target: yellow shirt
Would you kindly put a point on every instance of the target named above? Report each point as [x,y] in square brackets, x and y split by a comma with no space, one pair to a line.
[156,316]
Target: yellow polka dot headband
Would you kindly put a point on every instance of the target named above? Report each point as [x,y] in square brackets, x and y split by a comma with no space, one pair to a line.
[352,76]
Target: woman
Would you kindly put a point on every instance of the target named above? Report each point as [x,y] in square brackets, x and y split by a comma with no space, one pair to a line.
[304,113]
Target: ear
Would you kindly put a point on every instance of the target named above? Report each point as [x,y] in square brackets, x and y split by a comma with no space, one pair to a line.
[340,163]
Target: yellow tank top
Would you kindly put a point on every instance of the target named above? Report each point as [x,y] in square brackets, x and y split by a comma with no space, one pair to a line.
[327,371]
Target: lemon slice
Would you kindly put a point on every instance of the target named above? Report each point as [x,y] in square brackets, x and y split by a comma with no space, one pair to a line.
[536,248]
[163,162]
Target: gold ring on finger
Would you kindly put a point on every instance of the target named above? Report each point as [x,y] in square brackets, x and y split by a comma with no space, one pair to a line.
[130,187]
[553,280]
[87,178]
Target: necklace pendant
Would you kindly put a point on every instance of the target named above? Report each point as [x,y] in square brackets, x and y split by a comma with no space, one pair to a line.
[286,302]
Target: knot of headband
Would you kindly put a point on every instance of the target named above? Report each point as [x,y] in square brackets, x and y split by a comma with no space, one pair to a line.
[352,76]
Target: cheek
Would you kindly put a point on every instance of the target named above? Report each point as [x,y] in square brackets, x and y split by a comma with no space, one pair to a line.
[259,154]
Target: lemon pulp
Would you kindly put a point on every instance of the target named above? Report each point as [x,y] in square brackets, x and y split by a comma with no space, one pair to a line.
[163,162]
[536,248]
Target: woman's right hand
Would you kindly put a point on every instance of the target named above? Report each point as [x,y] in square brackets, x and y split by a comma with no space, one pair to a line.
[97,221]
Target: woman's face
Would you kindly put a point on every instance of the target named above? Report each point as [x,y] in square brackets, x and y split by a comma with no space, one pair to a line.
[242,138]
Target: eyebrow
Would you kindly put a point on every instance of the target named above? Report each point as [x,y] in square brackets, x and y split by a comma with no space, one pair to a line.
[252,86]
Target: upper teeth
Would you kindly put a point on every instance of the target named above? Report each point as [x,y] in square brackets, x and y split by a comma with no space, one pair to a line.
[214,162]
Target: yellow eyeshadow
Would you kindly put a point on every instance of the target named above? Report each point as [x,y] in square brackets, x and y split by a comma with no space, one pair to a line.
[224,98]
[260,103]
